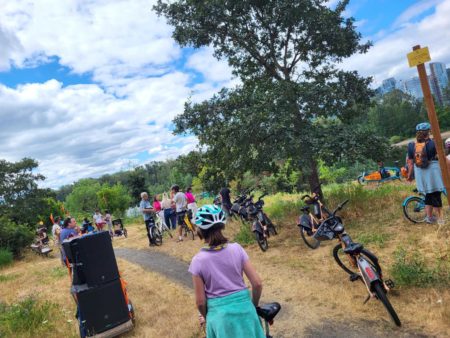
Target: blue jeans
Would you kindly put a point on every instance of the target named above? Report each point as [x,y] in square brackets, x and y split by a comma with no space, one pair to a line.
[170,217]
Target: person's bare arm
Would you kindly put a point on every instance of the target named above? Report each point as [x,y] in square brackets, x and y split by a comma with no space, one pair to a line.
[255,281]
[200,297]
[410,168]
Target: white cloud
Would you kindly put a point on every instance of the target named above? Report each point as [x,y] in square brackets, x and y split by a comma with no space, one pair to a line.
[414,11]
[81,131]
[111,38]
[387,57]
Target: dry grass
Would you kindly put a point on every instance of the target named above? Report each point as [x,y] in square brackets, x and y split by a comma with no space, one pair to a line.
[308,284]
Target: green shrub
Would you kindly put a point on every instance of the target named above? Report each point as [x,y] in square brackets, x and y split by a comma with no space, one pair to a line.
[410,269]
[6,257]
[14,237]
[27,318]
[245,235]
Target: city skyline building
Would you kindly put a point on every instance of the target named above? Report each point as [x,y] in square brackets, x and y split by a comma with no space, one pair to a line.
[438,79]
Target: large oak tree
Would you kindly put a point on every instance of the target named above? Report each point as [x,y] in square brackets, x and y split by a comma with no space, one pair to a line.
[294,101]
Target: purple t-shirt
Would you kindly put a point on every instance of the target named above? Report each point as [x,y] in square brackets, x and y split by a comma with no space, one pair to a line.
[221,270]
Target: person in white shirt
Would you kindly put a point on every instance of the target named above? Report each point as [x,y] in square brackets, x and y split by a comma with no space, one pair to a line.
[98,220]
[56,230]
[180,207]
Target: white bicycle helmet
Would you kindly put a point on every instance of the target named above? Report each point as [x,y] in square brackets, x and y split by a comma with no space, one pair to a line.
[447,143]
[209,215]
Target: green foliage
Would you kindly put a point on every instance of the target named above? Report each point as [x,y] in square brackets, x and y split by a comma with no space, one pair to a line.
[397,114]
[245,236]
[6,257]
[22,201]
[83,198]
[115,199]
[276,113]
[330,174]
[410,269]
[28,318]
[14,237]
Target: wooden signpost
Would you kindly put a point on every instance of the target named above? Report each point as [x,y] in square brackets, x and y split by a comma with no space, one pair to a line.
[417,58]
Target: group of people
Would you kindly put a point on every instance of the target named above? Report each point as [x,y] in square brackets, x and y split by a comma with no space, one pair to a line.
[67,228]
[171,209]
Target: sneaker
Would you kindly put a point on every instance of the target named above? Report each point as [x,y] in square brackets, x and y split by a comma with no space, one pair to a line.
[430,220]
[441,221]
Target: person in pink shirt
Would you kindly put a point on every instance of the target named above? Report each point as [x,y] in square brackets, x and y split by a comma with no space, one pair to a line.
[157,205]
[191,205]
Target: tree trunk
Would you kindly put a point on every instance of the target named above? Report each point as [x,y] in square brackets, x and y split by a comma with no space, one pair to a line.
[314,181]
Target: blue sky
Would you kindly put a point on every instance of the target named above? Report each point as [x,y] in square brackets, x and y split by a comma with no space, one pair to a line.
[99,95]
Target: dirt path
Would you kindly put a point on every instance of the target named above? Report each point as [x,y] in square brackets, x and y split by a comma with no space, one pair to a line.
[159,262]
[177,271]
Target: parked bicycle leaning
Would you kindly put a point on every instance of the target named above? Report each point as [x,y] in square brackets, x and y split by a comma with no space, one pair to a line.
[147,210]
[422,158]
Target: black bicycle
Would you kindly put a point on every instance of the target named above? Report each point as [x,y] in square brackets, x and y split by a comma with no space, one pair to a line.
[358,262]
[262,226]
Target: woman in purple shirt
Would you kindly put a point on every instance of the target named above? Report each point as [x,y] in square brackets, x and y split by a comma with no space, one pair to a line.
[217,273]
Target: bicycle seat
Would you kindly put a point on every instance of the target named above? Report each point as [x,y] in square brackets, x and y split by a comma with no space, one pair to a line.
[353,248]
[268,311]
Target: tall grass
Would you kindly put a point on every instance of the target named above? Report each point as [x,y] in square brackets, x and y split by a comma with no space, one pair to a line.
[6,257]
[410,269]
[28,318]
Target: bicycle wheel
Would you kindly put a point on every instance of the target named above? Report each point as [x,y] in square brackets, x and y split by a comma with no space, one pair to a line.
[338,254]
[189,232]
[156,235]
[361,180]
[166,229]
[262,241]
[380,293]
[414,209]
[308,238]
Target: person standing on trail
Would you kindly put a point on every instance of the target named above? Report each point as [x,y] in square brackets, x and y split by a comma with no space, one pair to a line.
[69,229]
[98,220]
[147,210]
[180,207]
[56,232]
[191,205]
[423,162]
[170,217]
[226,200]
[217,273]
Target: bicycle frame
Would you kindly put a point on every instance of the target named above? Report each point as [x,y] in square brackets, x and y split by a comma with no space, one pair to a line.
[368,274]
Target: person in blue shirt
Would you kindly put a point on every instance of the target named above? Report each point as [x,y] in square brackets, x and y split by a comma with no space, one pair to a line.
[70,229]
[146,209]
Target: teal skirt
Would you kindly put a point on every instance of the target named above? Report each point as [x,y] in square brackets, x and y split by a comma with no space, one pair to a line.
[233,316]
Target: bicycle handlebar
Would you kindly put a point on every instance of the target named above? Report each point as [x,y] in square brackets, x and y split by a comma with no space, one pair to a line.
[263,195]
[339,207]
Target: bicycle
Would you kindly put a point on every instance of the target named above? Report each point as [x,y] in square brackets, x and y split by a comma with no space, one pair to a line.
[262,226]
[393,173]
[361,264]
[161,225]
[309,222]
[268,312]
[155,234]
[414,207]
[188,229]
